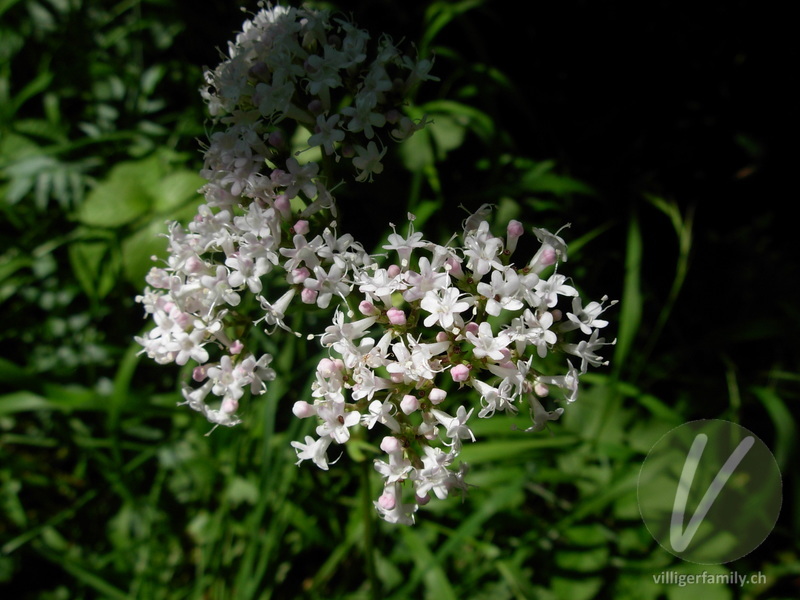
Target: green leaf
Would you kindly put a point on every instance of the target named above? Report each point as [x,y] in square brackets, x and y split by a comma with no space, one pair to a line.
[139,247]
[436,582]
[96,265]
[632,301]
[520,448]
[22,402]
[785,424]
[542,178]
[417,152]
[584,561]
[176,190]
[577,589]
[123,197]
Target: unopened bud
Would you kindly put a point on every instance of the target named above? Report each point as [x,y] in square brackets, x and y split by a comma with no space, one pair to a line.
[437,396]
[303,410]
[409,404]
[391,444]
[396,316]
[460,373]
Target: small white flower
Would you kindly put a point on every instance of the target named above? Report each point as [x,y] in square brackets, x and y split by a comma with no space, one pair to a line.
[368,161]
[443,305]
[314,450]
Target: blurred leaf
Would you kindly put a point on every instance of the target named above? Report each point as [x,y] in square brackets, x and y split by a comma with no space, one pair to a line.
[139,247]
[784,423]
[96,265]
[584,561]
[632,301]
[460,115]
[417,151]
[241,490]
[436,583]
[519,449]
[577,589]
[542,178]
[123,196]
[22,402]
[438,15]
[176,190]
[33,88]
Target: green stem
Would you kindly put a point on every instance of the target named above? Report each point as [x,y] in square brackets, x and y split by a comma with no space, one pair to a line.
[368,515]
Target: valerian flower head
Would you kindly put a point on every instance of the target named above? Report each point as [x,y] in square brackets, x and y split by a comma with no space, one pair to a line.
[416,338]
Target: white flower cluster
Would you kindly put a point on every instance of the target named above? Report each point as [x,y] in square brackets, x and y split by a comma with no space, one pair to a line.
[287,66]
[467,314]
[295,66]
[437,317]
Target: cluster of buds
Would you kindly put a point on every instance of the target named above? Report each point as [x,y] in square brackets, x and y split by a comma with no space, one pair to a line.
[408,326]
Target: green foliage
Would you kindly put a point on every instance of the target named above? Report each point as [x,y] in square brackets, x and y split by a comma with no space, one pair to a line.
[109,490]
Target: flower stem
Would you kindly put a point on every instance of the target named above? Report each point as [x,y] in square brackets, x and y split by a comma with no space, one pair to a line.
[368,516]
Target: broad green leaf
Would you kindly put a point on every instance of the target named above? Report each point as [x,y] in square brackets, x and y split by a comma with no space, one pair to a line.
[176,190]
[417,152]
[447,133]
[123,196]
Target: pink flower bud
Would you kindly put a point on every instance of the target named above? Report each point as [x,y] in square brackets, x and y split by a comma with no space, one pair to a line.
[315,107]
[472,327]
[199,373]
[301,227]
[229,406]
[298,275]
[283,206]
[393,270]
[308,296]
[194,265]
[423,500]
[437,396]
[540,390]
[460,373]
[547,257]
[387,501]
[557,314]
[236,347]
[367,308]
[409,404]
[276,139]
[327,368]
[303,410]
[396,377]
[391,444]
[442,336]
[455,268]
[514,229]
[396,316]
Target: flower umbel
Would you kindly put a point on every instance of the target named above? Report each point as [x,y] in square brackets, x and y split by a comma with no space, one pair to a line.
[412,331]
